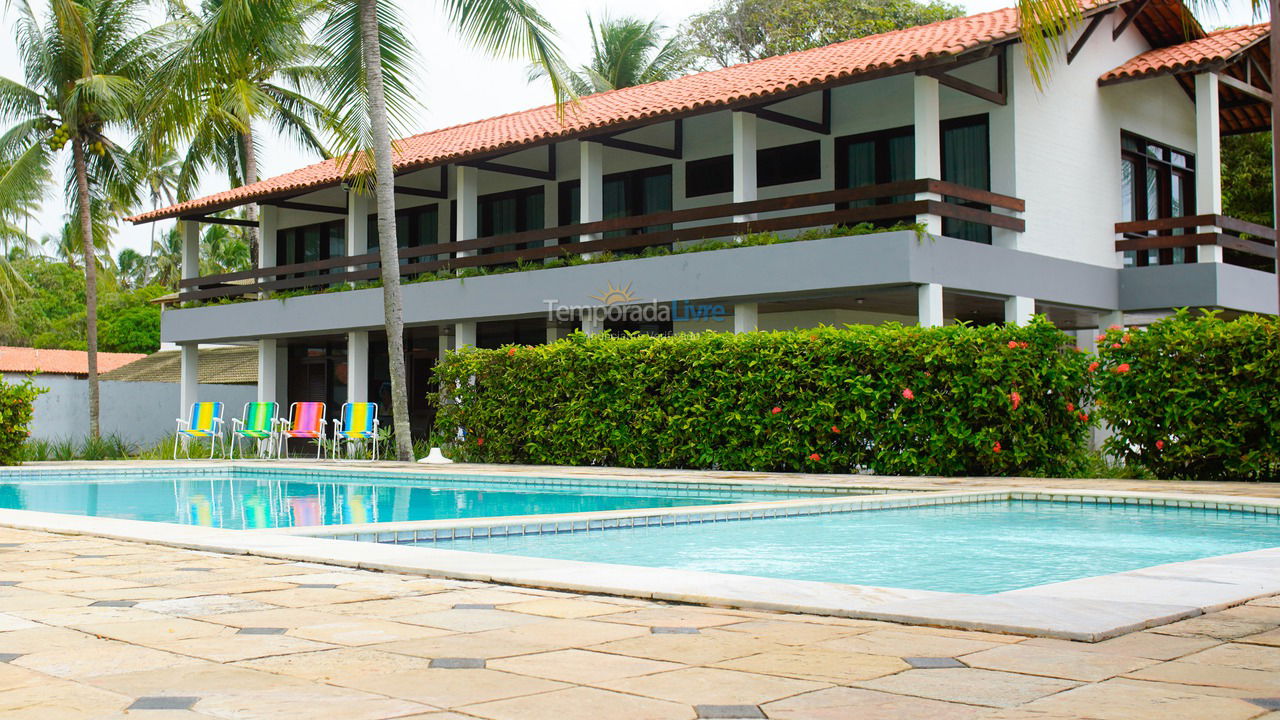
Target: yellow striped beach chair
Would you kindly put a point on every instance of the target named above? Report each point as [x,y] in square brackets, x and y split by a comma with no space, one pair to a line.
[357,426]
[205,422]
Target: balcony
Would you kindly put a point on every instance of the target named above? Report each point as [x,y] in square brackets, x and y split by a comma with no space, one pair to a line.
[1243,243]
[886,204]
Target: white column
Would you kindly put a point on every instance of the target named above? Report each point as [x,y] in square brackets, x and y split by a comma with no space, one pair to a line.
[189,374]
[1004,175]
[268,380]
[746,317]
[556,332]
[929,299]
[745,186]
[1208,159]
[592,325]
[190,249]
[1018,310]
[445,342]
[467,189]
[358,366]
[1113,318]
[357,224]
[268,223]
[928,140]
[590,186]
[464,335]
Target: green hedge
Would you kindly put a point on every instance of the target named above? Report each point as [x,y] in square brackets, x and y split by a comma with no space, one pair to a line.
[15,415]
[892,399]
[1194,397]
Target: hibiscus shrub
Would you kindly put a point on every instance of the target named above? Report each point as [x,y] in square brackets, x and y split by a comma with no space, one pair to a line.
[890,399]
[1193,397]
[16,403]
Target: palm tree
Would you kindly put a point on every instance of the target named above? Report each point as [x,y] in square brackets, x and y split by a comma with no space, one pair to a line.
[85,67]
[1046,23]
[368,59]
[626,52]
[133,268]
[166,258]
[239,64]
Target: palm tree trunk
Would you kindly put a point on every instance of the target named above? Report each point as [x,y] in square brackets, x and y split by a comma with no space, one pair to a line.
[90,279]
[388,251]
[1274,42]
[251,176]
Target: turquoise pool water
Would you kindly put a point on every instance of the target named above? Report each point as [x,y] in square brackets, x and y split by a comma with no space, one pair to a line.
[242,499]
[984,547]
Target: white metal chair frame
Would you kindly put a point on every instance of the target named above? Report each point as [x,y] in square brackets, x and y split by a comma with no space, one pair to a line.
[284,433]
[215,435]
[237,432]
[355,442]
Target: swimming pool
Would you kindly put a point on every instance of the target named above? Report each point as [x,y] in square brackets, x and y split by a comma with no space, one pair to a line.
[247,498]
[969,547]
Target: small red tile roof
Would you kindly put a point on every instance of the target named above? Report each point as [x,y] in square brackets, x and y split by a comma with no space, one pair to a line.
[761,80]
[1217,46]
[59,362]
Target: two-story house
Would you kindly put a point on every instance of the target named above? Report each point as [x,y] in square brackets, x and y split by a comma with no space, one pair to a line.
[1094,199]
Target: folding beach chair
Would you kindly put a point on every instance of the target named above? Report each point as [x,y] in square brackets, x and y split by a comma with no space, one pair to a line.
[306,421]
[258,423]
[359,424]
[205,422]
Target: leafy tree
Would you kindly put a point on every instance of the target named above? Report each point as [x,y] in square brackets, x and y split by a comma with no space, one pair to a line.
[85,64]
[1246,177]
[626,52]
[736,31]
[131,323]
[368,59]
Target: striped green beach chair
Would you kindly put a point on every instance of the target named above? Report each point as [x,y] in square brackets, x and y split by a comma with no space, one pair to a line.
[359,425]
[205,422]
[257,424]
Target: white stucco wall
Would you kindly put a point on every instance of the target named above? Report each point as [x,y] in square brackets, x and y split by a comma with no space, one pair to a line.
[139,412]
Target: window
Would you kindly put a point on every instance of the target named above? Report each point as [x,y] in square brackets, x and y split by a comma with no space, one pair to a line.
[774,166]
[415,227]
[510,212]
[888,156]
[309,243]
[1156,181]
[626,194]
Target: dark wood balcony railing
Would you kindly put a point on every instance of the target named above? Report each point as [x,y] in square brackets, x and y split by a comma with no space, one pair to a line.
[422,259]
[1244,243]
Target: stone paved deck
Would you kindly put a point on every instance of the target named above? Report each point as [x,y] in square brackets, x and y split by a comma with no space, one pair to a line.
[94,628]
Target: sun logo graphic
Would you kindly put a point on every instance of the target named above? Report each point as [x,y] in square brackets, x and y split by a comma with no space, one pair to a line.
[614,295]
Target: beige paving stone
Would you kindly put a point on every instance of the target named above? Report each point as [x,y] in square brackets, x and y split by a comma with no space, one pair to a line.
[155,715]
[146,592]
[818,665]
[971,686]
[327,578]
[58,699]
[231,648]
[449,689]
[167,629]
[790,633]
[580,703]
[712,686]
[1271,637]
[554,634]
[364,631]
[79,584]
[477,645]
[43,638]
[702,649]
[843,703]
[1140,644]
[905,644]
[390,608]
[102,657]
[233,586]
[1055,662]
[1254,612]
[483,594]
[81,616]
[332,665]
[675,616]
[580,666]
[278,617]
[471,620]
[14,676]
[199,605]
[564,608]
[1121,699]
[1214,626]
[13,622]
[314,702]
[196,679]
[1187,673]
[309,597]
[1252,657]
[16,600]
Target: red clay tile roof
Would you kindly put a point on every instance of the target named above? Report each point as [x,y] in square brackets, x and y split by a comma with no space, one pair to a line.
[1217,46]
[727,86]
[59,362]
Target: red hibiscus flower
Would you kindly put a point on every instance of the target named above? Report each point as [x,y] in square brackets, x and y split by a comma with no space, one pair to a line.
[1115,346]
[1084,417]
[835,429]
[1071,407]
[1102,338]
[511,352]
[480,441]
[908,394]
[776,410]
[1116,327]
[1016,399]
[1159,444]
[1122,368]
[1093,366]
[996,447]
[1013,344]
[815,457]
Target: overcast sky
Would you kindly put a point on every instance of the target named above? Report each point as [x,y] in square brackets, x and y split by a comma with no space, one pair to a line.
[460,85]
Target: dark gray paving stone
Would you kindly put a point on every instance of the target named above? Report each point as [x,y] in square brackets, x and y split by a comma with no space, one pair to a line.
[10,545]
[113,603]
[91,557]
[262,631]
[1271,703]
[728,712]
[8,583]
[473,606]
[194,569]
[933,663]
[674,630]
[321,586]
[457,663]
[10,657]
[163,702]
